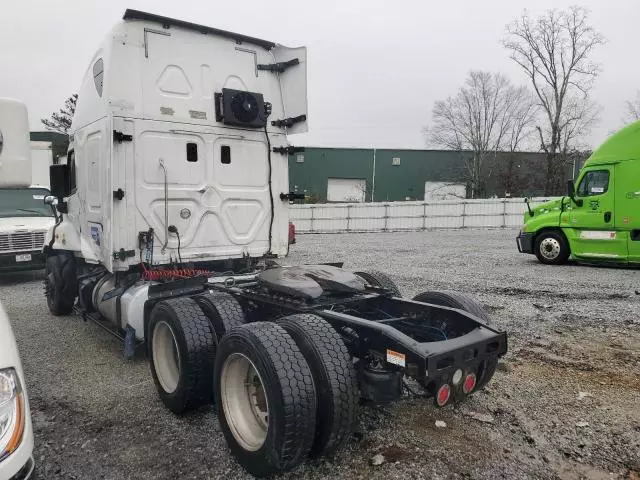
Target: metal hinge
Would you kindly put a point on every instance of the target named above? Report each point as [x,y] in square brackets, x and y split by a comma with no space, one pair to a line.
[289,150]
[121,137]
[123,254]
[278,67]
[118,194]
[289,122]
[292,196]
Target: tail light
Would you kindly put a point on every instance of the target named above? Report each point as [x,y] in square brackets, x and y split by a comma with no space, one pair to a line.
[443,394]
[469,383]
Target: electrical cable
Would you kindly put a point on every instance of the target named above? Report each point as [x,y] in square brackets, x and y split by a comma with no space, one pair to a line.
[179,254]
[270,189]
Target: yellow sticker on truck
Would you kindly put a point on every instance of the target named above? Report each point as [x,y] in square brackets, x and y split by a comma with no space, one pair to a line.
[597,235]
[396,358]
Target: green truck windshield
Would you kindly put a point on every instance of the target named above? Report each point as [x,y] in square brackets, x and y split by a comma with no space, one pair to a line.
[24,202]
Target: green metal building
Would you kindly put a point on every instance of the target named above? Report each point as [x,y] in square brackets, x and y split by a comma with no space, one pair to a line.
[397,175]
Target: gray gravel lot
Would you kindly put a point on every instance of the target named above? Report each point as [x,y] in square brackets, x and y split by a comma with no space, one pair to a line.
[564,404]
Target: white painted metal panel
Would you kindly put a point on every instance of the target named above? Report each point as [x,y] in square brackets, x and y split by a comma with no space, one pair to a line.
[41,159]
[367,224]
[395,216]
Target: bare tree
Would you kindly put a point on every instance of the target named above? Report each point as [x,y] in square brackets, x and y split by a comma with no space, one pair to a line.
[484,114]
[633,109]
[61,121]
[553,50]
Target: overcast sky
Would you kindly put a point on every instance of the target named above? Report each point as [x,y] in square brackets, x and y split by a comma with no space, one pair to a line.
[375,66]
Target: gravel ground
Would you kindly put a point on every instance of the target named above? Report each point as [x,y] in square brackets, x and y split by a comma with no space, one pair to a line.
[564,404]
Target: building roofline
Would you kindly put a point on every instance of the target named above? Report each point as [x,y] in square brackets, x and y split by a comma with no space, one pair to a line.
[413,149]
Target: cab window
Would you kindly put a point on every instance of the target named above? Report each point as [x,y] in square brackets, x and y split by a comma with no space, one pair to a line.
[595,182]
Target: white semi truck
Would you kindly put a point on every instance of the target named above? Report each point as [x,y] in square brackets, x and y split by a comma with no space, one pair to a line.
[173,206]
[24,183]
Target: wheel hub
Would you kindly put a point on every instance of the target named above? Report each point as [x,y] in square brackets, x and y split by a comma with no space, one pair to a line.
[166,357]
[550,248]
[244,401]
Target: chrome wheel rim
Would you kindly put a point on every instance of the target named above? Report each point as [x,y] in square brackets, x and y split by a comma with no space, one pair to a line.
[244,402]
[550,248]
[166,357]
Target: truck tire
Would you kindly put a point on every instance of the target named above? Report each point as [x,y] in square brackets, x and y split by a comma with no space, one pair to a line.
[334,377]
[60,282]
[223,311]
[265,392]
[462,302]
[379,279]
[182,349]
[552,248]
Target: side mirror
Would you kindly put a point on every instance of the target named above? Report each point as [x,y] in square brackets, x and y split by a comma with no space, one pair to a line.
[59,179]
[50,200]
[571,189]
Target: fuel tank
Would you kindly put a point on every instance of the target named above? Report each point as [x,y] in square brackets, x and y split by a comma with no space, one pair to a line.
[132,300]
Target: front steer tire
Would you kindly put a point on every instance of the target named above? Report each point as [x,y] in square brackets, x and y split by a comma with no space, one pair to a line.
[182,349]
[259,368]
[334,377]
[379,279]
[60,282]
[551,247]
[467,304]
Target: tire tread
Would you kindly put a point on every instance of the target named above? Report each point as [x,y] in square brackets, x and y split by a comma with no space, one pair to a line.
[334,376]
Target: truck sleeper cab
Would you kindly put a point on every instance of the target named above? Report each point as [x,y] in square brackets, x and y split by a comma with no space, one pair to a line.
[599,219]
[173,202]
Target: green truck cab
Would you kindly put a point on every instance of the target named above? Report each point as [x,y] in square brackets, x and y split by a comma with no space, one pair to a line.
[599,219]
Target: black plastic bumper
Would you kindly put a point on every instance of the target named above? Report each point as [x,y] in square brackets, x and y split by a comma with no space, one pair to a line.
[8,262]
[525,242]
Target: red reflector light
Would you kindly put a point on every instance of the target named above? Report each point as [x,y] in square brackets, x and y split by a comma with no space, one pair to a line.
[469,383]
[442,397]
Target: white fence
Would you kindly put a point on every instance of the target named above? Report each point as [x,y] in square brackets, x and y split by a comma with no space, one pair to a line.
[397,216]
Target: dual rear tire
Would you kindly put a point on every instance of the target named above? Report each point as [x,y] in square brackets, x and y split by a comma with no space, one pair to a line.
[284,390]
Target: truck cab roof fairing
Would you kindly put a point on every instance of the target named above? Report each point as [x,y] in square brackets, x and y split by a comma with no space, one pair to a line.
[131,14]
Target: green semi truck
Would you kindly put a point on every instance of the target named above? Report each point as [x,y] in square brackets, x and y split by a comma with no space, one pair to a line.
[599,220]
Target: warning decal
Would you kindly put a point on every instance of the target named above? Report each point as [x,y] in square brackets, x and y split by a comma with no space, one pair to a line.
[396,358]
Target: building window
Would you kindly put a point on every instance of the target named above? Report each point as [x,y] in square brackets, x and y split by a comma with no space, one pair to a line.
[98,75]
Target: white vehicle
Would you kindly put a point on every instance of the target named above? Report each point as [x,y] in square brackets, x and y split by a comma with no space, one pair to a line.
[174,201]
[16,431]
[41,160]
[24,217]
